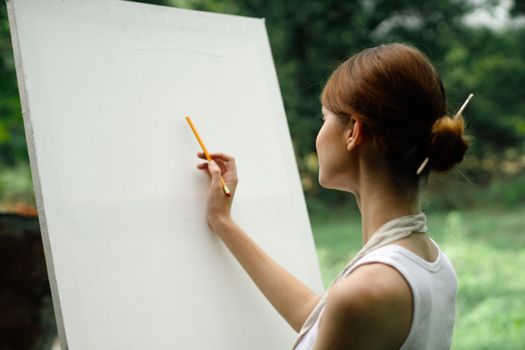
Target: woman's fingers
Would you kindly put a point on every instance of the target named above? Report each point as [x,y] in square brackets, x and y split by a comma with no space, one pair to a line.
[214,156]
[222,165]
[225,162]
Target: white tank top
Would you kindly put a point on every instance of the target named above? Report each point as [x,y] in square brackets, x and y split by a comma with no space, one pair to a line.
[434,289]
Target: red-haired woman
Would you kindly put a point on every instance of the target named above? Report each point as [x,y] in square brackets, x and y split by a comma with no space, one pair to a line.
[386,127]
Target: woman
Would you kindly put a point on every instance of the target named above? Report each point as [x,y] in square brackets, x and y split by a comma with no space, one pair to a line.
[386,126]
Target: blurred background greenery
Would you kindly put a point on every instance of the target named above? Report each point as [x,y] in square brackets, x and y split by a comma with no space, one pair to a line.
[476,212]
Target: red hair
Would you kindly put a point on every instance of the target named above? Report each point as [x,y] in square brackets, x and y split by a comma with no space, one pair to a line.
[398,95]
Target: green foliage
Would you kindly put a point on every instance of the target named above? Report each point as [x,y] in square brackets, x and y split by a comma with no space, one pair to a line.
[16,184]
[499,193]
[490,64]
[13,147]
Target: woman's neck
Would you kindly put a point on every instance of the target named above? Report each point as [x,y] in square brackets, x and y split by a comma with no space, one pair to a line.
[382,202]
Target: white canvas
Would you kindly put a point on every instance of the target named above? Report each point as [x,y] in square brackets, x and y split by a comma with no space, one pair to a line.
[105,86]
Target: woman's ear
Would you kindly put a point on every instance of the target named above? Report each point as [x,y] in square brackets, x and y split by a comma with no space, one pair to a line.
[354,135]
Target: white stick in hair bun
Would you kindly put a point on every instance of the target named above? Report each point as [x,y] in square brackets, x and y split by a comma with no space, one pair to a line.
[425,162]
[422,166]
[464,105]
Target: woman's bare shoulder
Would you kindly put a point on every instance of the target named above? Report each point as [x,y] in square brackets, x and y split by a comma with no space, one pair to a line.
[370,308]
[380,284]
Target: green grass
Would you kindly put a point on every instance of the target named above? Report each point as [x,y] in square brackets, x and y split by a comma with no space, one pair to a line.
[487,249]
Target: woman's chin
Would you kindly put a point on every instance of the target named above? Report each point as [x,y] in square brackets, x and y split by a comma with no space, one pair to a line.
[322,181]
[331,185]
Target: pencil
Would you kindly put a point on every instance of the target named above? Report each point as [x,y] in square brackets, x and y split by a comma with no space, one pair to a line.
[224,187]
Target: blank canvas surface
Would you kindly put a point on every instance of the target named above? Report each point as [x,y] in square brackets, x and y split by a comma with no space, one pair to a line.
[132,262]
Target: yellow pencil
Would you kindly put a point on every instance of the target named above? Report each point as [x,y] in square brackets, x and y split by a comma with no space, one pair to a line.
[224,187]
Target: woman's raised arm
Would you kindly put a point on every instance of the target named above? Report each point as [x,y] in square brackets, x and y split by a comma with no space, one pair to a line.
[289,296]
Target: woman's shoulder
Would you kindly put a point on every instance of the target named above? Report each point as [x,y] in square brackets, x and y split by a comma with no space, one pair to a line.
[374,301]
[375,282]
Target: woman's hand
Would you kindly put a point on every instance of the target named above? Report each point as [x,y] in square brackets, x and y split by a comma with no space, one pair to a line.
[219,206]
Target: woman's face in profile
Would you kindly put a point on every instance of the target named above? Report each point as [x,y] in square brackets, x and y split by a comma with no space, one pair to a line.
[331,151]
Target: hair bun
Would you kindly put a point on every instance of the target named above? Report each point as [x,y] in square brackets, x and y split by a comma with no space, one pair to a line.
[448,144]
